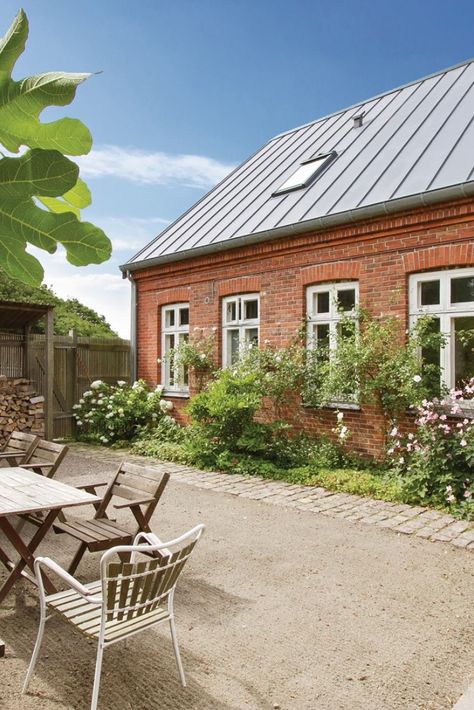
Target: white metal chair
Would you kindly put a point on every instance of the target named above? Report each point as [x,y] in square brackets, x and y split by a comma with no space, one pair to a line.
[129,597]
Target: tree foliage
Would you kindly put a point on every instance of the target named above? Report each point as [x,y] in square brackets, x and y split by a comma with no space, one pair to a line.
[41,193]
[68,314]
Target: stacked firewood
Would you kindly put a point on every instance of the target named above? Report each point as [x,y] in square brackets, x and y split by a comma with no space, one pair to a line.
[20,407]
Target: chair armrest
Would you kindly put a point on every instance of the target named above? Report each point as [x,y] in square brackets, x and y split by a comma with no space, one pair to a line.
[85,486]
[152,539]
[37,465]
[11,454]
[66,577]
[132,503]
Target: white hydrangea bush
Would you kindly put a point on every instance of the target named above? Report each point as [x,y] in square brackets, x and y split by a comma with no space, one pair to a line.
[109,413]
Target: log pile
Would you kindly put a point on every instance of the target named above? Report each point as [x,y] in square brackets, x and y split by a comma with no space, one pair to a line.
[20,408]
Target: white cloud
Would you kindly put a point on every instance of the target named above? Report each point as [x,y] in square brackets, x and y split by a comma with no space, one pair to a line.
[107,292]
[130,233]
[153,168]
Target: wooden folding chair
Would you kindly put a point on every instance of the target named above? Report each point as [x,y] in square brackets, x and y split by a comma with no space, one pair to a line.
[129,597]
[18,448]
[44,460]
[139,487]
[45,457]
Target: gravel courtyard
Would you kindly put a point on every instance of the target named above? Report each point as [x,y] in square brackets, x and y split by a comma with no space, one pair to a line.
[279,608]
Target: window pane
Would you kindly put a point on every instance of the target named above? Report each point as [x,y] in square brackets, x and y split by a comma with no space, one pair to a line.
[322,302]
[431,356]
[250,309]
[346,329]
[251,336]
[232,346]
[322,340]
[169,342]
[463,349]
[429,293]
[184,316]
[462,290]
[231,311]
[169,370]
[182,374]
[169,318]
[346,299]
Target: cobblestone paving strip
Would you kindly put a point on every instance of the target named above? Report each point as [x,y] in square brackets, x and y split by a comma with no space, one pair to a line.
[424,523]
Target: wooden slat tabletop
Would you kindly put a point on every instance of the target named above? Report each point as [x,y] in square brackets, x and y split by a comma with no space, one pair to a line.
[23,491]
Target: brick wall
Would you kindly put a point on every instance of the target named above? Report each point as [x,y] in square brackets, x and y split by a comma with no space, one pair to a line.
[380,254]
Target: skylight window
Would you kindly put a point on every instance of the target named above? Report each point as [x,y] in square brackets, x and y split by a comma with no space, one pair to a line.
[306,173]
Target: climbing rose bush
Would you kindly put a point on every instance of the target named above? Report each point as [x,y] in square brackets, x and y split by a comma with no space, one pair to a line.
[110,413]
[435,463]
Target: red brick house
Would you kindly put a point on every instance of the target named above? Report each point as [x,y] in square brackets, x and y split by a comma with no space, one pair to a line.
[373,205]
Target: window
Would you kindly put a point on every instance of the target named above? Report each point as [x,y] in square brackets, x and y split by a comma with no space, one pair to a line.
[448,296]
[240,325]
[306,173]
[326,306]
[174,331]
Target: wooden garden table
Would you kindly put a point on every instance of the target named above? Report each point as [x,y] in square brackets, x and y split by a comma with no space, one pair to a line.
[23,492]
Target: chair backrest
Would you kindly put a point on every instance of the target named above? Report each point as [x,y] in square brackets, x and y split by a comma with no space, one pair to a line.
[134,482]
[136,588]
[47,454]
[21,442]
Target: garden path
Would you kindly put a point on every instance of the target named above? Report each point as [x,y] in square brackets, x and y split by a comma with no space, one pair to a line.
[279,608]
[425,523]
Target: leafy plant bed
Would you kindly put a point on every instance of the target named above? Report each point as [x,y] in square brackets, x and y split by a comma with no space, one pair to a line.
[372,482]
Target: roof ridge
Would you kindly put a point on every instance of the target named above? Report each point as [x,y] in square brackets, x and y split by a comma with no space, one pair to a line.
[373,98]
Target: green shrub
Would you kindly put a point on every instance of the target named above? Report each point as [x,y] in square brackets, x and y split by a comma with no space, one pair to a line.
[224,413]
[373,364]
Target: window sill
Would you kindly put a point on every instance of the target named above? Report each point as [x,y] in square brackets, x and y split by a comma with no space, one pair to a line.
[179,394]
[348,406]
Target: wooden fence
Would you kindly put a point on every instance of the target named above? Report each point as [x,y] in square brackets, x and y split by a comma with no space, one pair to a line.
[77,363]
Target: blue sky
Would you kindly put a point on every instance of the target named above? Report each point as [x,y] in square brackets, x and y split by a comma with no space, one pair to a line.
[189,88]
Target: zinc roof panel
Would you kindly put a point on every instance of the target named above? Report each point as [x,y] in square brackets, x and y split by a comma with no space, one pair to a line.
[352,162]
[444,130]
[413,139]
[285,211]
[459,163]
[387,146]
[265,203]
[281,158]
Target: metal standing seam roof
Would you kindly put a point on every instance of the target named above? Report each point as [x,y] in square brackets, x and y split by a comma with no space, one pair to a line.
[415,141]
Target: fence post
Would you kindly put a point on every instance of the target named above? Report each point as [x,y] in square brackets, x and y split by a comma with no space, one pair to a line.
[49,419]
[72,375]
[27,351]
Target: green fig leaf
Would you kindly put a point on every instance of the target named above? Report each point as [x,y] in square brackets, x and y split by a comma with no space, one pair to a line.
[84,242]
[42,176]
[17,262]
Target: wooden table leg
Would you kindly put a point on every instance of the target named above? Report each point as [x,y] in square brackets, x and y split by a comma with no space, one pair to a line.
[2,648]
[26,552]
[5,559]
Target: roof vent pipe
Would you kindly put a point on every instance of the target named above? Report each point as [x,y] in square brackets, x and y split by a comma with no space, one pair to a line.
[358,119]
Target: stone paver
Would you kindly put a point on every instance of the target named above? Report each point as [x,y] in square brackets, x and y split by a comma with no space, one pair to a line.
[401,518]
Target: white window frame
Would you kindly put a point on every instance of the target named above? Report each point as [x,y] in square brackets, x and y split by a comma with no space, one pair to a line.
[333,316]
[243,325]
[176,330]
[445,311]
